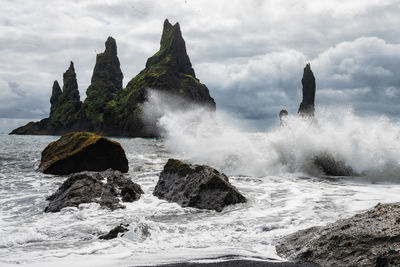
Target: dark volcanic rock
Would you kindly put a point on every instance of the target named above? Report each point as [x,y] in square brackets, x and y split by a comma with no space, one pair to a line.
[307,105]
[332,167]
[104,188]
[105,85]
[196,186]
[122,228]
[371,238]
[82,151]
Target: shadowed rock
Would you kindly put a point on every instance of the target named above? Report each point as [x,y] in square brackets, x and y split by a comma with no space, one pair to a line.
[308,81]
[332,167]
[82,151]
[197,186]
[120,229]
[104,188]
[371,238]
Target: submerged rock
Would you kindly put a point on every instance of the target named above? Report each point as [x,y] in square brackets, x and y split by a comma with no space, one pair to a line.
[197,186]
[308,81]
[120,229]
[371,238]
[104,188]
[82,151]
[332,167]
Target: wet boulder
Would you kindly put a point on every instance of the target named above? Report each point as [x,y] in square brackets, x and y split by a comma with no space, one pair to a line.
[105,188]
[330,166]
[371,238]
[197,186]
[120,229]
[82,151]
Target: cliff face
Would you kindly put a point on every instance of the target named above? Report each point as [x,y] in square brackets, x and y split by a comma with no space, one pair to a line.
[111,110]
[308,81]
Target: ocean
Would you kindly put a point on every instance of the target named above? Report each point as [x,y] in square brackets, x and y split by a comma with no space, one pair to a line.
[272,169]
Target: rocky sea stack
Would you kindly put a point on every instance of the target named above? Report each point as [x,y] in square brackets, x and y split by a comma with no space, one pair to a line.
[82,151]
[110,109]
[308,81]
[197,186]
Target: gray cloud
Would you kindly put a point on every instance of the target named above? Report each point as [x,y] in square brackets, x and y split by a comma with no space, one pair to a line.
[249,53]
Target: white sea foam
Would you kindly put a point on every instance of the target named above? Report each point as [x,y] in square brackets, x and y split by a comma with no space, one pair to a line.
[370,145]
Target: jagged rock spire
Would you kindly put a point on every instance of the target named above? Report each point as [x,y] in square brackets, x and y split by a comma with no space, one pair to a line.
[55,96]
[106,82]
[307,105]
[172,50]
[70,87]
[107,68]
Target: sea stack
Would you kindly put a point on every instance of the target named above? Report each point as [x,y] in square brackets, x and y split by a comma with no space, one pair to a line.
[106,83]
[307,105]
[112,110]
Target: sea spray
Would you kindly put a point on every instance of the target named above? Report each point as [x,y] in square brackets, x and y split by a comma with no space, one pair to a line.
[369,145]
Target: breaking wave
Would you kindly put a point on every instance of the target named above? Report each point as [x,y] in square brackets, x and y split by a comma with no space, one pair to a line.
[370,145]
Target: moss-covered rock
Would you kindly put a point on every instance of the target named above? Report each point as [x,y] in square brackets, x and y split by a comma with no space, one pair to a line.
[197,186]
[106,83]
[169,70]
[82,151]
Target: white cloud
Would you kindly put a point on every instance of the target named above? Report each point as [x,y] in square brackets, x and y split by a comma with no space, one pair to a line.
[250,54]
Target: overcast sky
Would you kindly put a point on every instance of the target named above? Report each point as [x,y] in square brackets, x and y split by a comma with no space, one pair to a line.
[250,54]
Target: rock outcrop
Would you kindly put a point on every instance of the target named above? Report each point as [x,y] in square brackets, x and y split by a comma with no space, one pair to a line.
[65,111]
[371,238]
[333,167]
[105,188]
[111,110]
[120,229]
[197,186]
[170,71]
[308,81]
[105,85]
[82,151]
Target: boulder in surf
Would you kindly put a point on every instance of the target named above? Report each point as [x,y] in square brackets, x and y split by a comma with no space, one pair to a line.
[197,186]
[105,188]
[82,151]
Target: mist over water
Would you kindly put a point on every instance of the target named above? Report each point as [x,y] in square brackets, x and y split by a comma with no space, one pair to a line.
[370,145]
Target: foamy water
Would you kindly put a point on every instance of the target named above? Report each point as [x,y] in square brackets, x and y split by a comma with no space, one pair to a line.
[271,169]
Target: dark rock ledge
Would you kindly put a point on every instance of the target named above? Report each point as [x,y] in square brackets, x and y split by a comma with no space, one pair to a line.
[371,238]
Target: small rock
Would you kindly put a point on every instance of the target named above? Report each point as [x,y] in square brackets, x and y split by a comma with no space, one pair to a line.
[197,186]
[122,228]
[90,187]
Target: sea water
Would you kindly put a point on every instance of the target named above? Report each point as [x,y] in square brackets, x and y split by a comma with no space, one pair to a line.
[272,169]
